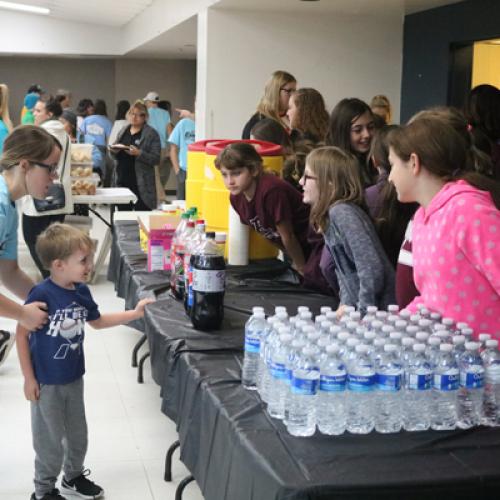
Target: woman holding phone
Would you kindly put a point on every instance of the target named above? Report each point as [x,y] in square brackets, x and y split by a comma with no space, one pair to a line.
[137,151]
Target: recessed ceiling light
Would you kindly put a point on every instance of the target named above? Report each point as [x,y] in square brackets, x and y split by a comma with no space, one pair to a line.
[33,9]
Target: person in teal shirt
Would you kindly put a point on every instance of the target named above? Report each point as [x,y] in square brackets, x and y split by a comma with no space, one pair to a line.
[180,138]
[5,123]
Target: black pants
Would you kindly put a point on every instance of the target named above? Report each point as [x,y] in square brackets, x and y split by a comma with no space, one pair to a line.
[32,227]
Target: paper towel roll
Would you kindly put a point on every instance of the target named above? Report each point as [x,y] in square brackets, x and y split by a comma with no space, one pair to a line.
[238,240]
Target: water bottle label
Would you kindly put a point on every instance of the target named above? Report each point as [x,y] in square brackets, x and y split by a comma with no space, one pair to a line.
[289,374]
[208,281]
[448,382]
[252,344]
[361,383]
[389,382]
[420,382]
[306,387]
[472,380]
[332,383]
[278,371]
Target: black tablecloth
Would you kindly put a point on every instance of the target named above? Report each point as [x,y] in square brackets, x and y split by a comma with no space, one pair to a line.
[236,451]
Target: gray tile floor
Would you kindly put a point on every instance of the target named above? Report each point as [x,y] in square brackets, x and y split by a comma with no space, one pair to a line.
[128,434]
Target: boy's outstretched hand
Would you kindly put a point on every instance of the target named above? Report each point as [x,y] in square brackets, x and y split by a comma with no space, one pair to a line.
[139,308]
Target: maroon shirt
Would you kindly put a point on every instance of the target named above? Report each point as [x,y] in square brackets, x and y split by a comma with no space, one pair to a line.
[275,201]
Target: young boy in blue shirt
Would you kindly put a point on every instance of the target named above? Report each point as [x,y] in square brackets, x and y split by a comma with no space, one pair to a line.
[53,364]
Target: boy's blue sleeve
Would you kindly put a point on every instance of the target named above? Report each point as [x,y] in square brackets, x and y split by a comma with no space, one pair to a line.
[175,136]
[88,302]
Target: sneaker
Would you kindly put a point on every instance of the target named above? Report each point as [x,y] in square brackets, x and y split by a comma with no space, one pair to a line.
[6,342]
[53,495]
[82,487]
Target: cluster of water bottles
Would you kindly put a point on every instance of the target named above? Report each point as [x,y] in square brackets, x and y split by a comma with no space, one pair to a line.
[387,371]
[198,273]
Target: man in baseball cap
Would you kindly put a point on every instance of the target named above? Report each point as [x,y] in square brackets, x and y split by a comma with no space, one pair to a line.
[151,97]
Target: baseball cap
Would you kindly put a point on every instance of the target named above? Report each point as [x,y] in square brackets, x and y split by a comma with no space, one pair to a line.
[152,96]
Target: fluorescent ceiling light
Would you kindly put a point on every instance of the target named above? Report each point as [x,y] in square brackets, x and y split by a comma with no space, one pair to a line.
[24,8]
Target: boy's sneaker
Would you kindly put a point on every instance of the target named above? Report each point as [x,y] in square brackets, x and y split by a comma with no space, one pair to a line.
[82,487]
[6,342]
[53,495]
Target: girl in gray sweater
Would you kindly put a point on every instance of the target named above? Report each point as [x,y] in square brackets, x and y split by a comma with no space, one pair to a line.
[333,188]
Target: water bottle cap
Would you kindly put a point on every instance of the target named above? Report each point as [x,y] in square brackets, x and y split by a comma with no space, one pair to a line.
[415,318]
[392,318]
[351,325]
[326,324]
[447,321]
[381,314]
[355,315]
[393,308]
[323,341]
[279,309]
[407,341]
[285,338]
[302,309]
[308,328]
[257,309]
[405,314]
[412,330]
[390,348]
[282,315]
[272,320]
[331,315]
[369,335]
[349,309]
[325,309]
[377,324]
[483,337]
[395,335]
[200,221]
[335,329]
[422,336]
[439,327]
[319,318]
[352,342]
[298,343]
[387,328]
[418,347]
[306,315]
[433,341]
[379,342]
[400,324]
[492,343]
[333,349]
[293,320]
[461,325]
[458,339]
[361,348]
[259,314]
[442,335]
[313,336]
[424,322]
[446,347]
[371,309]
[472,346]
[467,332]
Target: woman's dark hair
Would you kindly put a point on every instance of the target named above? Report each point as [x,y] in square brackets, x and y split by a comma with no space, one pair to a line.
[482,110]
[165,105]
[100,107]
[83,105]
[122,108]
[391,216]
[270,130]
[239,155]
[52,105]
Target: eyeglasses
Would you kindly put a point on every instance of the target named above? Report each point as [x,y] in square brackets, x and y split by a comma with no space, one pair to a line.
[288,91]
[51,168]
[307,177]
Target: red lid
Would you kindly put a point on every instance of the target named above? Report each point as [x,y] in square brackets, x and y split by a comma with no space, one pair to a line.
[262,147]
[200,146]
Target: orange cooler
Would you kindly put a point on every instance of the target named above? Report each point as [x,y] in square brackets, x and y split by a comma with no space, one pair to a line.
[215,196]
[196,173]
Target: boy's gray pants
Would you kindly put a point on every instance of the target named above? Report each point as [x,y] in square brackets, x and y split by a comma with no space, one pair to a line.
[59,430]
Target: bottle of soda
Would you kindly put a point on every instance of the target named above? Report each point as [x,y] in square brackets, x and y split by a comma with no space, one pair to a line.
[177,246]
[209,276]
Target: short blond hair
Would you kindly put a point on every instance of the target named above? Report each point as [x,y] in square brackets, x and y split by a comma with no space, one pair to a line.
[60,241]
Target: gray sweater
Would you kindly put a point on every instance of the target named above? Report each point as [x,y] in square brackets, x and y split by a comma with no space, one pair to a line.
[364,272]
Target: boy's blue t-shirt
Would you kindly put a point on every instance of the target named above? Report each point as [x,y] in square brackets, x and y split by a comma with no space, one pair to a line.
[4,132]
[99,127]
[182,136]
[57,348]
[8,223]
[159,119]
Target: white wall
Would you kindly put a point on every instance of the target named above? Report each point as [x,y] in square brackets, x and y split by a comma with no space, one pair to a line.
[341,56]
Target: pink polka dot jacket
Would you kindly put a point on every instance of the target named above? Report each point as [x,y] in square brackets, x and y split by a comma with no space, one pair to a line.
[456,257]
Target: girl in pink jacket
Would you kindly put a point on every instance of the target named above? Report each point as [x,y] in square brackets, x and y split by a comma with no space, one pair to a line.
[456,230]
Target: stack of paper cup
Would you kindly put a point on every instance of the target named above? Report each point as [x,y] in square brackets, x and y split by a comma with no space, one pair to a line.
[238,240]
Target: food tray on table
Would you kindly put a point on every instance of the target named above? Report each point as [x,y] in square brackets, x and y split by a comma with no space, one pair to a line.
[85,185]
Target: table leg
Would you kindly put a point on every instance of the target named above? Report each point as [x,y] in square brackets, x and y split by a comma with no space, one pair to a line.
[140,370]
[103,253]
[168,461]
[182,485]
[136,349]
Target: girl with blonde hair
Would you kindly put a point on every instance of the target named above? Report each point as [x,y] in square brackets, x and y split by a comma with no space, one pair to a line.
[5,122]
[333,189]
[381,106]
[274,102]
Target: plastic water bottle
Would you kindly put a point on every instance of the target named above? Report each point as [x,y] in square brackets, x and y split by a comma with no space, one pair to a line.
[470,394]
[458,342]
[361,386]
[492,385]
[264,361]
[418,396]
[209,282]
[331,407]
[304,387]
[432,351]
[296,347]
[254,331]
[388,415]
[445,390]
[279,385]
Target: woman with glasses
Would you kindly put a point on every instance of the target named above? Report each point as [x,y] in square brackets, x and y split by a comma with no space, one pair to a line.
[29,166]
[351,129]
[47,112]
[136,152]
[274,102]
